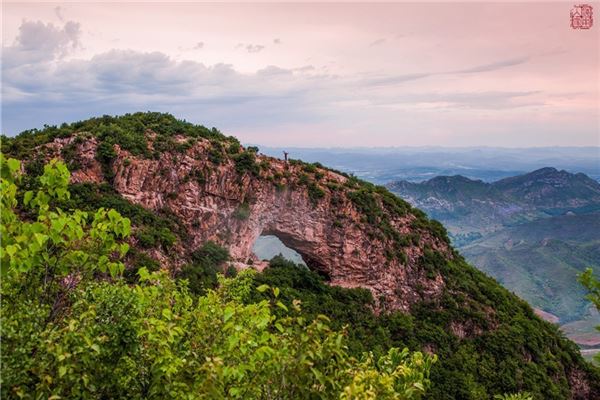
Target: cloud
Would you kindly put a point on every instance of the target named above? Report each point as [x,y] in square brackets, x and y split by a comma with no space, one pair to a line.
[276,41]
[117,81]
[254,48]
[273,70]
[377,42]
[494,66]
[305,68]
[250,48]
[396,79]
[40,86]
[58,13]
[484,100]
[38,42]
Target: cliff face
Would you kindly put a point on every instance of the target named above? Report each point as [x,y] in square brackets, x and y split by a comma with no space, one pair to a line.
[309,209]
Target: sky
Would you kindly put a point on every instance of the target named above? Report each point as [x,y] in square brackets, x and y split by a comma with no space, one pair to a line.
[311,74]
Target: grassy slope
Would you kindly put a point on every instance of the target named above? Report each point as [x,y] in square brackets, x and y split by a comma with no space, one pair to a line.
[540,261]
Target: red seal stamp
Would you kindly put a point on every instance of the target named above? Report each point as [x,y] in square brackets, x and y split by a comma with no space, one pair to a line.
[582,16]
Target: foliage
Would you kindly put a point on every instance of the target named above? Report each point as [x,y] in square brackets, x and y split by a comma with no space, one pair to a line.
[315,193]
[234,148]
[242,213]
[69,154]
[128,131]
[154,339]
[592,284]
[152,237]
[476,367]
[516,396]
[398,374]
[245,162]
[207,263]
[55,243]
[152,228]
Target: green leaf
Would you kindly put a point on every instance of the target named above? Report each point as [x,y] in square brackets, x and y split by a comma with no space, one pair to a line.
[27,197]
[11,250]
[143,274]
[282,306]
[13,165]
[263,288]
[227,313]
[40,238]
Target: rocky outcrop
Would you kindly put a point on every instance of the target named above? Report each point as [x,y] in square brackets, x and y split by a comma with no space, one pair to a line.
[222,203]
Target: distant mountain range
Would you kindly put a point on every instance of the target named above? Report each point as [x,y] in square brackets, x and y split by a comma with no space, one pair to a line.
[417,164]
[533,232]
[473,206]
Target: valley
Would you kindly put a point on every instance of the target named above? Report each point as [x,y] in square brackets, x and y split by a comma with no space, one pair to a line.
[535,233]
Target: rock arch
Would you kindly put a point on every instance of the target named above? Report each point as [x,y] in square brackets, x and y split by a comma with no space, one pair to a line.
[333,237]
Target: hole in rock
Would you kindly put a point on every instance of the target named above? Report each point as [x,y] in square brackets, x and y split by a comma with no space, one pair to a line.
[268,246]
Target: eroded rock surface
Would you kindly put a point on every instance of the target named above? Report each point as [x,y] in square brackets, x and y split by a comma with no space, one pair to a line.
[219,202]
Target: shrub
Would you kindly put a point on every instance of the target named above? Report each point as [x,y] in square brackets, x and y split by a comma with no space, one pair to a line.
[105,154]
[215,156]
[234,148]
[242,213]
[211,253]
[149,237]
[70,156]
[245,162]
[315,193]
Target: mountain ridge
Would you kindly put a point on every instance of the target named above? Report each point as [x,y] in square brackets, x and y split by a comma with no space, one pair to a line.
[485,207]
[533,232]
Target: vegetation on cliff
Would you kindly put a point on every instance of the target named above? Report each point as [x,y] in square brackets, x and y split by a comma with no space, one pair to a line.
[72,328]
[147,135]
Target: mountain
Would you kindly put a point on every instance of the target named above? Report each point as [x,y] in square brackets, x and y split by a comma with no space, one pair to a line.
[540,261]
[553,191]
[472,206]
[533,232]
[377,265]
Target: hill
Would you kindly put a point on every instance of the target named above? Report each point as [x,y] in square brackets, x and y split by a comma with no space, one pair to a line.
[534,232]
[471,207]
[540,261]
[377,265]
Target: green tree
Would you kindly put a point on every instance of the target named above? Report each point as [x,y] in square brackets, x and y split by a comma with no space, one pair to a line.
[592,284]
[72,328]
